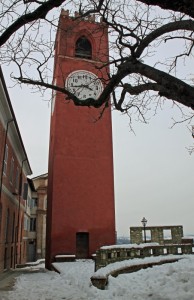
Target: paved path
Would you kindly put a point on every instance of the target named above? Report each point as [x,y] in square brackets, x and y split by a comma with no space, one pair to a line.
[8,278]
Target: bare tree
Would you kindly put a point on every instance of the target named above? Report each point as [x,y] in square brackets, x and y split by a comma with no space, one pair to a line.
[183,6]
[140,76]
[22,12]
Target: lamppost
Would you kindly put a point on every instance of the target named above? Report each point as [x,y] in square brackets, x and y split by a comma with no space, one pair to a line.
[144,222]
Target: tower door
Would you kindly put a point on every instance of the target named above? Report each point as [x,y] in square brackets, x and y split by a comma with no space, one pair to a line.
[82,244]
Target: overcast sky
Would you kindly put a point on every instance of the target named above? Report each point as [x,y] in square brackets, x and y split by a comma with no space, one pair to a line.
[154,173]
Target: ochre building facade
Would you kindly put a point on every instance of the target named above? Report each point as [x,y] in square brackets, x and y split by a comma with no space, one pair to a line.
[14,168]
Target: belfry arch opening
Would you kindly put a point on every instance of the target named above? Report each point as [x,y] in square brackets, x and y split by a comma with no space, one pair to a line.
[83,48]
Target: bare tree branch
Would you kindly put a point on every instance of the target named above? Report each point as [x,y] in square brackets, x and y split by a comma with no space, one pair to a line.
[39,13]
[183,6]
[138,77]
[170,27]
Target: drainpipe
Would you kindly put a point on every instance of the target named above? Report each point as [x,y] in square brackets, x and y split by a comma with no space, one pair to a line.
[4,148]
[17,252]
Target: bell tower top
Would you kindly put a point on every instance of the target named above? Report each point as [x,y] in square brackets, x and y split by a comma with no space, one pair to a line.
[81,38]
[81,44]
[90,18]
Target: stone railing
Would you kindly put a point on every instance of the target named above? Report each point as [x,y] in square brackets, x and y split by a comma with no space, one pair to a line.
[100,277]
[115,253]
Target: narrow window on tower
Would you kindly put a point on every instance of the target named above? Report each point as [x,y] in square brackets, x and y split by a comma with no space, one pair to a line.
[5,160]
[83,48]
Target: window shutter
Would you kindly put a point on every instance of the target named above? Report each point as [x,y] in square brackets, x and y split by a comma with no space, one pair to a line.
[25,191]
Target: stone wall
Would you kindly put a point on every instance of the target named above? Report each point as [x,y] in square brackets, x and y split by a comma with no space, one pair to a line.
[100,280]
[111,254]
[159,234]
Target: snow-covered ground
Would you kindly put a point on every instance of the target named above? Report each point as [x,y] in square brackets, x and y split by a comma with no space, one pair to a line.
[166,282]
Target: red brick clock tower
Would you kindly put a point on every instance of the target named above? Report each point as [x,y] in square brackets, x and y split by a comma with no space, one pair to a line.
[80,211]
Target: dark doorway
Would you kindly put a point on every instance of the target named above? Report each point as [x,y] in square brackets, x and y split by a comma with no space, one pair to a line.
[5,259]
[12,265]
[82,245]
[31,251]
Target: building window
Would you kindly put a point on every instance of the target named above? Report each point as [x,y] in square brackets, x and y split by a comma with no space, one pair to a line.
[45,203]
[26,223]
[32,224]
[17,178]
[28,201]
[21,229]
[25,191]
[5,160]
[167,234]
[7,226]
[20,183]
[33,202]
[83,48]
[11,170]
[24,250]
[146,234]
[13,228]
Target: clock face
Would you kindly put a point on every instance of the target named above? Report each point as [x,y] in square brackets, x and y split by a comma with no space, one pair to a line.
[84,84]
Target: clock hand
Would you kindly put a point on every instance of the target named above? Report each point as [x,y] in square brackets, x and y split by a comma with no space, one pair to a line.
[83,85]
[87,86]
